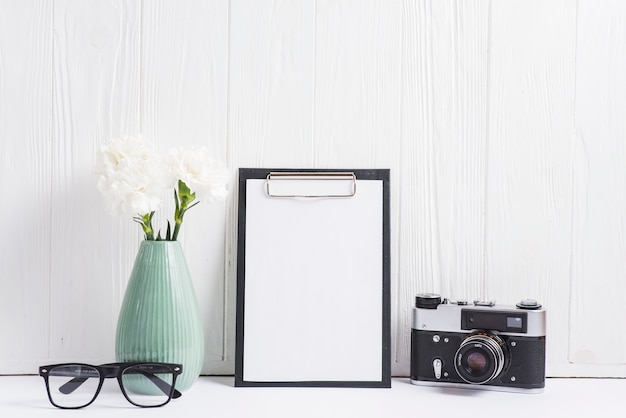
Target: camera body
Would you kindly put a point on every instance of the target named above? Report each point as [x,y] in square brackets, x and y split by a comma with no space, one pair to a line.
[478,345]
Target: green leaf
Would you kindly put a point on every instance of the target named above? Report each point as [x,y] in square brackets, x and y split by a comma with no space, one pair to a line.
[183,189]
[146,224]
[185,195]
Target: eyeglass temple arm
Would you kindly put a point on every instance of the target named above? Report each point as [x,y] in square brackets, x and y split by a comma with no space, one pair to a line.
[72,385]
[161,384]
[165,387]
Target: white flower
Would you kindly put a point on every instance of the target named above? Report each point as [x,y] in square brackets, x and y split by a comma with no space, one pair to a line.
[130,176]
[205,176]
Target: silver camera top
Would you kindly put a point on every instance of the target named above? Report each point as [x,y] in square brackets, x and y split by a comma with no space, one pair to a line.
[432,313]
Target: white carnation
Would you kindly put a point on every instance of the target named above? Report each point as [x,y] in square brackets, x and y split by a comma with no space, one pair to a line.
[205,176]
[130,176]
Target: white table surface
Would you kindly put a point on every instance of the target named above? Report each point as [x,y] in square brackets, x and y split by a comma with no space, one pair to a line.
[25,396]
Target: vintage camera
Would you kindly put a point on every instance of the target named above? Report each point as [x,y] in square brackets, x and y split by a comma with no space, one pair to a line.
[478,345]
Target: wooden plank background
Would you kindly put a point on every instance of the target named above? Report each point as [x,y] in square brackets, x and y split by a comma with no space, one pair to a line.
[503,122]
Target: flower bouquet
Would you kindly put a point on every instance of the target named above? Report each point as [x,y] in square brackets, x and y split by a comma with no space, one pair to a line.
[132,176]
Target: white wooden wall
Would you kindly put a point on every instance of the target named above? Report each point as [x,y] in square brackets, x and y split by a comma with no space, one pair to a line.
[503,122]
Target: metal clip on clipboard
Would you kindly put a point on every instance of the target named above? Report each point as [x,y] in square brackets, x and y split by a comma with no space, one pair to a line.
[277,184]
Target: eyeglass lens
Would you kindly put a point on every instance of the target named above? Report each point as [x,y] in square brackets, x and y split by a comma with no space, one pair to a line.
[148,384]
[73,385]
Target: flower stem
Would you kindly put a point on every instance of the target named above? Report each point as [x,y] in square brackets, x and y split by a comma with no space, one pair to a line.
[177,229]
[182,198]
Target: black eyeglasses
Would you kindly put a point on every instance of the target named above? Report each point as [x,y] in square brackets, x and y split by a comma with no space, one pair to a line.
[76,385]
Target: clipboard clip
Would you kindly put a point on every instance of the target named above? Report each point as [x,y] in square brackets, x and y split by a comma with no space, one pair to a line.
[344,184]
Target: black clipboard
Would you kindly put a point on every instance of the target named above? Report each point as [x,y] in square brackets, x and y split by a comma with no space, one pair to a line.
[313,278]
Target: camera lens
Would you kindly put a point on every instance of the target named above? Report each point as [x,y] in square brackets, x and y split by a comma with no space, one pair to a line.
[479,358]
[477,362]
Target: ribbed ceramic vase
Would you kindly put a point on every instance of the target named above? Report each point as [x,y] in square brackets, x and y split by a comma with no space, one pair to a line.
[160,320]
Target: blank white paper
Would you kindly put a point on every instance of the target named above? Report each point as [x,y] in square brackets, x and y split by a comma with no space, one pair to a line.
[313,285]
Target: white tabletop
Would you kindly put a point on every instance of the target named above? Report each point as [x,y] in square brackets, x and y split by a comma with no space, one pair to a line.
[25,396]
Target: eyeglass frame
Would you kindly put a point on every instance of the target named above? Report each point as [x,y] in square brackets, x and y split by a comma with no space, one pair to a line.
[116,370]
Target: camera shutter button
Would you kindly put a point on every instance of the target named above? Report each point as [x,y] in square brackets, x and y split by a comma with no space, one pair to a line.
[528,304]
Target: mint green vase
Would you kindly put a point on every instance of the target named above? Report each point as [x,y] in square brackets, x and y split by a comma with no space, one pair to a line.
[160,320]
